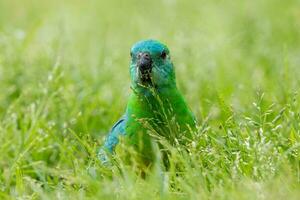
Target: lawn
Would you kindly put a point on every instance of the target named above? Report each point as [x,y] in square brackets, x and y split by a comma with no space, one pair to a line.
[64,81]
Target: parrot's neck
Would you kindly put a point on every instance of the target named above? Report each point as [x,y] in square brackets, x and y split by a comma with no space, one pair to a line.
[144,91]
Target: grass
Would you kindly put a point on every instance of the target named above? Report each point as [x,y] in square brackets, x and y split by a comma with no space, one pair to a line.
[64,81]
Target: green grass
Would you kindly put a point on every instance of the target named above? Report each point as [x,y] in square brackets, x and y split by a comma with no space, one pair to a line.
[64,81]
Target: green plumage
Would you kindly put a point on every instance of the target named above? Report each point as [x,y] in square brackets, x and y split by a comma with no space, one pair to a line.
[155,107]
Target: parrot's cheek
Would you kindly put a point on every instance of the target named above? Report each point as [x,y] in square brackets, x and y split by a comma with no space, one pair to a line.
[155,76]
[160,79]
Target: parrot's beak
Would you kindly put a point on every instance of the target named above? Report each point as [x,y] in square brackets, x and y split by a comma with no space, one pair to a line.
[144,65]
[144,62]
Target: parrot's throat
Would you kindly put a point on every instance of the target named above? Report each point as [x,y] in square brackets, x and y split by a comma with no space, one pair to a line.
[145,76]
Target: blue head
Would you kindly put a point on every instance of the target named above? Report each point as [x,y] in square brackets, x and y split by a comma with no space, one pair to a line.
[151,65]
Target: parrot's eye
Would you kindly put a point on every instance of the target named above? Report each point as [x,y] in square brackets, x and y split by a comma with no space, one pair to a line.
[163,55]
[131,54]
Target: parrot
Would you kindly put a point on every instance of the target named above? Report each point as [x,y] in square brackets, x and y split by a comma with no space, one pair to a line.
[155,105]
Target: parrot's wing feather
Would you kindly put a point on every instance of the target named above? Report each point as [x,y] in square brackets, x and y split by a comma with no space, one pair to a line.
[112,139]
[117,129]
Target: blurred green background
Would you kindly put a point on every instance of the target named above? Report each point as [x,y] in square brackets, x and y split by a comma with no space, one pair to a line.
[64,80]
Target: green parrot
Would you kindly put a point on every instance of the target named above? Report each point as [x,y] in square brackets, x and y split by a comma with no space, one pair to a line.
[155,106]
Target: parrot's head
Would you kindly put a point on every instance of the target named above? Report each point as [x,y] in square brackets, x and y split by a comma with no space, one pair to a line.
[151,65]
